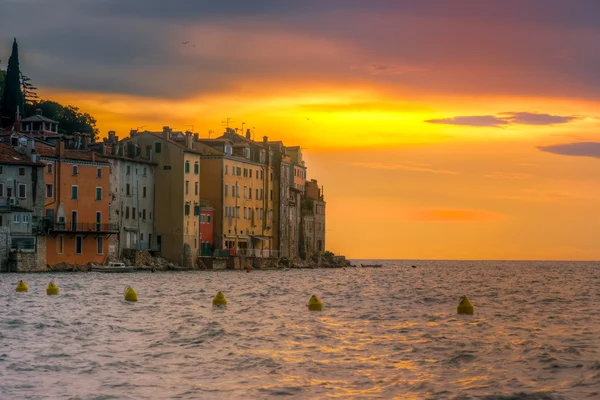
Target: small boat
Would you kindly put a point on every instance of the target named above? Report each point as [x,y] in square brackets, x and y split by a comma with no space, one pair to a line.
[371,265]
[112,267]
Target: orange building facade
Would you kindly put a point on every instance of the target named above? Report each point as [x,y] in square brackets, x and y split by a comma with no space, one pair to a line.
[76,205]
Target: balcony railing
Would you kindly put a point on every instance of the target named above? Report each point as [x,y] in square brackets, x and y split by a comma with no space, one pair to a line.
[259,253]
[83,227]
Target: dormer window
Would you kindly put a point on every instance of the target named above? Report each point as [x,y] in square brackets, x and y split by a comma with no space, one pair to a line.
[246,152]
[228,149]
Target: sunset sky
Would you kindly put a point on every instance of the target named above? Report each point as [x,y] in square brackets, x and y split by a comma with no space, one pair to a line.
[439,129]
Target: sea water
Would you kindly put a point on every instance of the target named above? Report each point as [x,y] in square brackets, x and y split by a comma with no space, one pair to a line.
[389,332]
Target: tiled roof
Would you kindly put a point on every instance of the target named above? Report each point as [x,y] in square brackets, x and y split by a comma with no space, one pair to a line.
[8,155]
[39,118]
[45,150]
[160,135]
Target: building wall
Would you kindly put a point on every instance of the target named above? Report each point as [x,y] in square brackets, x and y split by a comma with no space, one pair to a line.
[86,205]
[207,220]
[135,230]
[173,228]
[284,201]
[211,189]
[192,198]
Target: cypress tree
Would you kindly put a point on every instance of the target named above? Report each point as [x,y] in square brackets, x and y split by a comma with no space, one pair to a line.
[12,97]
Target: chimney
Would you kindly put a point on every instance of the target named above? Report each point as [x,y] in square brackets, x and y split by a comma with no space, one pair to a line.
[102,149]
[167,132]
[112,136]
[189,140]
[248,134]
[132,133]
[86,140]
[265,140]
[60,149]
[196,137]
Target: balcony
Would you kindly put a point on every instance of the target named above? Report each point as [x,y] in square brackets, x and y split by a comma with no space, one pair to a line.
[47,226]
[258,253]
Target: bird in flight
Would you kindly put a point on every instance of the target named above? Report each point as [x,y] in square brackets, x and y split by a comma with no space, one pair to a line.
[186,42]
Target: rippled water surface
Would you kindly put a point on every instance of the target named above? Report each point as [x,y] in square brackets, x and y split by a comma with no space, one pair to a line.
[390,332]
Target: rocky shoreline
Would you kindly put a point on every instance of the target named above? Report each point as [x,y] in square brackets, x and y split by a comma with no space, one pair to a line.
[146,262]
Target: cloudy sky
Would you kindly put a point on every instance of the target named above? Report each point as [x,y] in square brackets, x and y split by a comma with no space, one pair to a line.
[440,129]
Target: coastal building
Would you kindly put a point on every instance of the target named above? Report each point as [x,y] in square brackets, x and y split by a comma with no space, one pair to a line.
[177,192]
[282,199]
[21,209]
[207,227]
[313,219]
[238,179]
[132,183]
[76,205]
[297,183]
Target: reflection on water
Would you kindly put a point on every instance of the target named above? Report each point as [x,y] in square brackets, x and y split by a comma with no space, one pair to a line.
[384,333]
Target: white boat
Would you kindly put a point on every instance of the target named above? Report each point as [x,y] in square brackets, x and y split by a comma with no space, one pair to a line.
[112,267]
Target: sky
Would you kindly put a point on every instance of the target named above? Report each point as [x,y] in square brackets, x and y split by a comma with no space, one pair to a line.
[440,130]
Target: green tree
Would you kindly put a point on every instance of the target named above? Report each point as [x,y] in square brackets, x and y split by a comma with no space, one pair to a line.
[30,95]
[70,119]
[12,97]
[2,78]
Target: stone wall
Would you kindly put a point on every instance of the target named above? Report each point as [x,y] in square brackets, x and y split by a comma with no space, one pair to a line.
[4,247]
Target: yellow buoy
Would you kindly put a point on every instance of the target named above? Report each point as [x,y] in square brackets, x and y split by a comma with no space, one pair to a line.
[220,300]
[52,289]
[22,287]
[130,294]
[465,306]
[314,304]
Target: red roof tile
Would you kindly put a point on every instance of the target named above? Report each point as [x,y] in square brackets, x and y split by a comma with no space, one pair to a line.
[8,155]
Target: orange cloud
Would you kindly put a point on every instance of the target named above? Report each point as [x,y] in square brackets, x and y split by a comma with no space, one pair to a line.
[417,167]
[455,215]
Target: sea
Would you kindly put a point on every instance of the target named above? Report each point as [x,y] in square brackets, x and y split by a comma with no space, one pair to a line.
[384,333]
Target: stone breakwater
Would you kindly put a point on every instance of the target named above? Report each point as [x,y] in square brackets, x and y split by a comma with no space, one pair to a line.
[142,260]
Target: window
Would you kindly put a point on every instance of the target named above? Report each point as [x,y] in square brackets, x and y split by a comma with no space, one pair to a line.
[237,212]
[16,218]
[196,168]
[239,171]
[208,219]
[145,170]
[196,210]
[256,194]
[257,176]
[49,168]
[250,173]
[250,194]
[238,190]
[98,194]
[196,188]
[22,190]
[167,167]
[128,170]
[262,174]
[228,149]
[49,190]
[262,194]
[74,192]
[21,171]
[144,192]
[25,218]
[187,187]
[245,172]
[100,248]
[187,209]
[150,215]
[128,190]
[78,244]
[133,213]
[226,190]
[233,190]
[187,167]
[74,220]
[245,213]
[75,170]
[245,192]
[1,170]
[226,169]
[271,195]
[157,147]
[98,173]
[60,244]
[126,212]
[1,189]
[144,214]
[8,192]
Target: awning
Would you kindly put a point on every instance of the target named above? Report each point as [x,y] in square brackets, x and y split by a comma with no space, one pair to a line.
[259,237]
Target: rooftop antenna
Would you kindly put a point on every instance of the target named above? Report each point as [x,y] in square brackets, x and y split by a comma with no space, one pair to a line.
[140,127]
[210,133]
[227,122]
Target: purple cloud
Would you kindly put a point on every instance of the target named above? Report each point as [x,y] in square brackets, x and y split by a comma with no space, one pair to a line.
[581,149]
[474,120]
[506,118]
